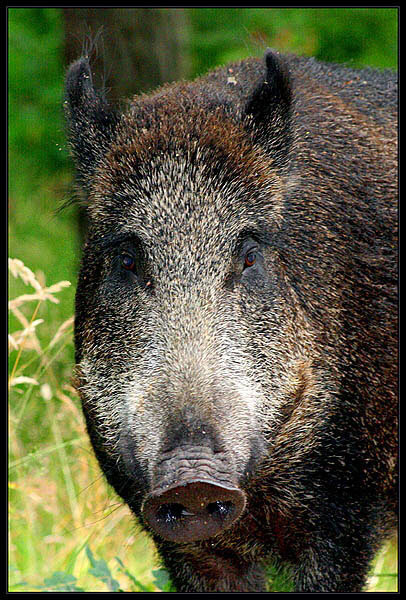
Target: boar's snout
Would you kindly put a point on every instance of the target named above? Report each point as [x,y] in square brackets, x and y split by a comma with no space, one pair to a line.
[194,495]
[192,511]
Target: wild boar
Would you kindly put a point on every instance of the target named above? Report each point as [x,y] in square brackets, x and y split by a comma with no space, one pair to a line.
[236,316]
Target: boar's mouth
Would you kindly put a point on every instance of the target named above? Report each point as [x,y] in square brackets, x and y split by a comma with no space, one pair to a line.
[194,497]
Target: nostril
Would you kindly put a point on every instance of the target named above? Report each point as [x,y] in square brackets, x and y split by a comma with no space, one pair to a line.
[219,509]
[169,513]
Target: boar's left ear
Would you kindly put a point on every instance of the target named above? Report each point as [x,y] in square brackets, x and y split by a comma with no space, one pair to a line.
[91,122]
[269,109]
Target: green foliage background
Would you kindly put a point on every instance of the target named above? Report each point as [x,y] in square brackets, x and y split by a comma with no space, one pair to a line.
[40,178]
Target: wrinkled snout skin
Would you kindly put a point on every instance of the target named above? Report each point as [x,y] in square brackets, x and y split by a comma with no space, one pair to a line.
[236,317]
[194,496]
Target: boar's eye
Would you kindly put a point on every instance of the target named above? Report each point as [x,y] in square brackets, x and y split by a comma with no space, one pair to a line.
[250,258]
[128,262]
[133,265]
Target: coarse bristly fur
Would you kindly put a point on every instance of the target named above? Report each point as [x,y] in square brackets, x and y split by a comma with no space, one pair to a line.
[238,294]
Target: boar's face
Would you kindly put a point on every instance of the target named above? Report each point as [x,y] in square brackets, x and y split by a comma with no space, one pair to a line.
[183,318]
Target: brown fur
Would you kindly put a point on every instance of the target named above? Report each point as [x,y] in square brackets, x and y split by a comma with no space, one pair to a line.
[284,372]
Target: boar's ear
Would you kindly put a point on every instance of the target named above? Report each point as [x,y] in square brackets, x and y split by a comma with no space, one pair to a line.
[269,109]
[91,122]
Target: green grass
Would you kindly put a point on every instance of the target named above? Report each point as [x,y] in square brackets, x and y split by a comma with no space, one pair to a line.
[384,571]
[59,503]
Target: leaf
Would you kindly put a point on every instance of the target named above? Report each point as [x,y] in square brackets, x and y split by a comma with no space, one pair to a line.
[162,580]
[101,571]
[61,582]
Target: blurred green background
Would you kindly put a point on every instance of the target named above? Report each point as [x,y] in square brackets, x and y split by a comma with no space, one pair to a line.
[52,511]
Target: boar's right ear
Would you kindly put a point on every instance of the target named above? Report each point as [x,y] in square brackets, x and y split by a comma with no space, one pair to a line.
[91,122]
[269,109]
